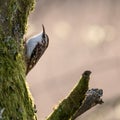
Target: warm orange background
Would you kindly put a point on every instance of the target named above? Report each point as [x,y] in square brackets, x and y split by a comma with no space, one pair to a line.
[84,35]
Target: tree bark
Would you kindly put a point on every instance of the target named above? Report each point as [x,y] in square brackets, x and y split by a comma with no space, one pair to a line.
[72,103]
[15,100]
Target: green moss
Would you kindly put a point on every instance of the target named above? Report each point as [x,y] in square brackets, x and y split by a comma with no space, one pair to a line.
[14,94]
[72,103]
[15,97]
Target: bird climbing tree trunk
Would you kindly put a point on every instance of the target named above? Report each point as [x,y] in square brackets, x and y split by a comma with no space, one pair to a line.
[15,100]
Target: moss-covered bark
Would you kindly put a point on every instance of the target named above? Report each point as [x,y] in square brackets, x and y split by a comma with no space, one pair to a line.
[15,100]
[68,107]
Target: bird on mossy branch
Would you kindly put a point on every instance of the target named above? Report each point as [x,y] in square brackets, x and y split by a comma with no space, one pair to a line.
[34,49]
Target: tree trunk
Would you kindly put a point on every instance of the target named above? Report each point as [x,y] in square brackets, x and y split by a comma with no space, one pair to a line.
[15,100]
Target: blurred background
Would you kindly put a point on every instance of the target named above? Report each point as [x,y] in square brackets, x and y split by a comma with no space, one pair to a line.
[84,35]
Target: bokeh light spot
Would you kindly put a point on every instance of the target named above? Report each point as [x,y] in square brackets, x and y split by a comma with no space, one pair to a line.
[62,29]
[95,35]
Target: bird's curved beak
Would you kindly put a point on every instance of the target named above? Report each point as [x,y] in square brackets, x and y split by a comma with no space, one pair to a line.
[43,30]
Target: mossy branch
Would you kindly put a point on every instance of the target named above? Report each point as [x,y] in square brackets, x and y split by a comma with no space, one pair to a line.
[71,104]
[79,101]
[92,98]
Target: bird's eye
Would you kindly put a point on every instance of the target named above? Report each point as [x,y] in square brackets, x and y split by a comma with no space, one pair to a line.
[43,41]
